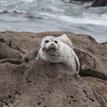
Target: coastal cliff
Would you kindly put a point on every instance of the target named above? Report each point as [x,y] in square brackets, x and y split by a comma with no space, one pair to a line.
[24,82]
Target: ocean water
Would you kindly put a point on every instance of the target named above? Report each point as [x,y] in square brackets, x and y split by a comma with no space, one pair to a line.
[53,15]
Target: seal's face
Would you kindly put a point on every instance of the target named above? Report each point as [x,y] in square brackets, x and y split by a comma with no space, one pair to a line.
[50,44]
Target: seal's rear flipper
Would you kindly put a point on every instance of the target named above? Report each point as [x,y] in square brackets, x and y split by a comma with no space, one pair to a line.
[64,38]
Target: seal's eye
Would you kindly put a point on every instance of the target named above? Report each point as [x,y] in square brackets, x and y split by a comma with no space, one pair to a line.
[46,41]
[56,41]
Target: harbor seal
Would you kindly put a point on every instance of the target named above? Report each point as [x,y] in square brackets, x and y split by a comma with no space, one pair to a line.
[55,50]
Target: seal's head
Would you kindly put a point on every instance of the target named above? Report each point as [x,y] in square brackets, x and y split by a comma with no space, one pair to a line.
[50,44]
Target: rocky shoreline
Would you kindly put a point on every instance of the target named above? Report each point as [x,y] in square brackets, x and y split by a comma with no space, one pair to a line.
[27,83]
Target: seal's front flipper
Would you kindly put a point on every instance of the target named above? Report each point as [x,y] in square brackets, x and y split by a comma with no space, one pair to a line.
[38,56]
[77,63]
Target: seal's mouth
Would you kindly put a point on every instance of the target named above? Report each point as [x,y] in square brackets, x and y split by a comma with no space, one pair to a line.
[51,49]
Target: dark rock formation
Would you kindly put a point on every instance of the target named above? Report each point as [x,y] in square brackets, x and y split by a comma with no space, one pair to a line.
[97,3]
[42,84]
[84,0]
[70,1]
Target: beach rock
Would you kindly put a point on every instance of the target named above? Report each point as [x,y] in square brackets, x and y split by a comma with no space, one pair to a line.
[90,65]
[8,54]
[41,84]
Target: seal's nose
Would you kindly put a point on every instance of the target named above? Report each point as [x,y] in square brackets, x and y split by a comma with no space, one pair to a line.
[52,44]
